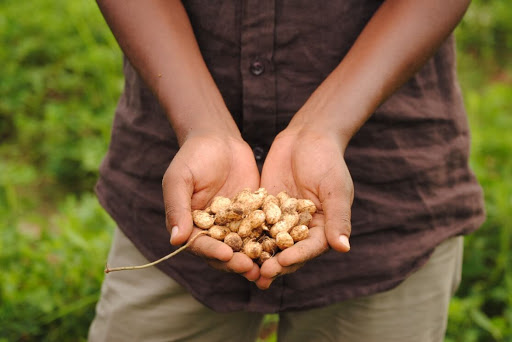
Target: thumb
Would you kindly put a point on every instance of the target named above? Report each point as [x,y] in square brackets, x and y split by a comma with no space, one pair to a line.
[177,188]
[337,212]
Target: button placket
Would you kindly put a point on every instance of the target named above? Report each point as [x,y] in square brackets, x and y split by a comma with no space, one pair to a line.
[258,74]
[259,153]
[259,98]
[257,67]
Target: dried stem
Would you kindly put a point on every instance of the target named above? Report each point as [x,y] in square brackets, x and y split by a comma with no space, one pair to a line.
[127,268]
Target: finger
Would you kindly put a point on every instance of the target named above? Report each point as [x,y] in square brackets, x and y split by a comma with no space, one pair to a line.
[304,250]
[253,274]
[177,188]
[336,207]
[239,263]
[209,248]
[271,269]
[264,283]
[293,258]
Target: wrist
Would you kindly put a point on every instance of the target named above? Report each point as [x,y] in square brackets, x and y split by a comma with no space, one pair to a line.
[201,111]
[311,122]
[314,133]
[203,122]
[335,108]
[217,139]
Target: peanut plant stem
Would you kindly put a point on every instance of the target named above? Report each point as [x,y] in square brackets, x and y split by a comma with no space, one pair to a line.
[128,268]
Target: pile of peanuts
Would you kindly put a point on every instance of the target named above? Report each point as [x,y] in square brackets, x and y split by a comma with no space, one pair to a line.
[256,223]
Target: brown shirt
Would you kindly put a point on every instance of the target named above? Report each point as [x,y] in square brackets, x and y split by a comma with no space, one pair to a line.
[409,162]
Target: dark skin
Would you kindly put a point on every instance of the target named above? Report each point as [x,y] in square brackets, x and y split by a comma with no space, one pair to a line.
[157,38]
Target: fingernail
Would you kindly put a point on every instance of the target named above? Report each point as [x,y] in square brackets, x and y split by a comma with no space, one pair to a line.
[174,231]
[344,241]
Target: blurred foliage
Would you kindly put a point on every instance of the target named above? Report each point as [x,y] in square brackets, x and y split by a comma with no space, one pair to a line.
[51,271]
[60,82]
[482,308]
[485,33]
[61,77]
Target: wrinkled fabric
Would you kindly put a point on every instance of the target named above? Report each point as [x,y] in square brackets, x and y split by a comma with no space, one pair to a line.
[409,162]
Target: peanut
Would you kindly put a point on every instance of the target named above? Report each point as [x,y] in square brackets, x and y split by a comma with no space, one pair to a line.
[219,203]
[253,249]
[234,241]
[299,233]
[202,219]
[284,240]
[255,223]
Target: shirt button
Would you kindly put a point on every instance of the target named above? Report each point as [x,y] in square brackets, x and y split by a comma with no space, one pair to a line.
[257,68]
[259,153]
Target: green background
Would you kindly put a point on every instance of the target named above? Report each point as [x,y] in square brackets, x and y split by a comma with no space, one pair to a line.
[60,78]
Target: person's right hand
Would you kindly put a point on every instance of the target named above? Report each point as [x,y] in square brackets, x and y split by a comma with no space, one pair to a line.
[208,165]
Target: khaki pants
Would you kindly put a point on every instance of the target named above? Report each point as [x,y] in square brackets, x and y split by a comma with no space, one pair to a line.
[147,305]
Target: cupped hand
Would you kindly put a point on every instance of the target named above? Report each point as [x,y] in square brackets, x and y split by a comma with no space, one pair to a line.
[208,165]
[309,164]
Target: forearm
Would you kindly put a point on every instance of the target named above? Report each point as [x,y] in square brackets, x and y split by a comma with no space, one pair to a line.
[157,38]
[396,42]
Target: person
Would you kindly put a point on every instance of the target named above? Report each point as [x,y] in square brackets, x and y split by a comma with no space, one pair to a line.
[354,105]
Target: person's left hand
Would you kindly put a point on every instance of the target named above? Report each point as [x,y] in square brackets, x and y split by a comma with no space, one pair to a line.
[309,164]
